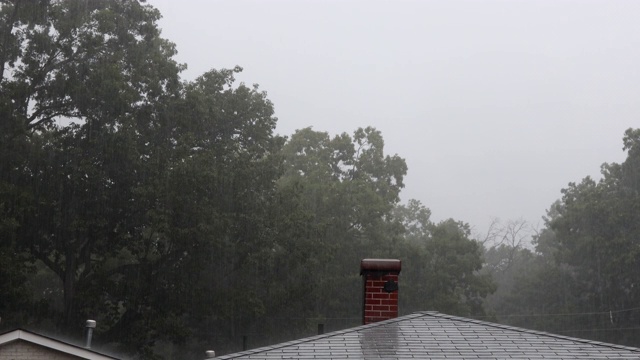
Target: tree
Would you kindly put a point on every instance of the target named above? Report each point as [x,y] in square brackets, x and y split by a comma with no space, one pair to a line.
[344,188]
[528,283]
[94,61]
[587,263]
[82,82]
[596,233]
[221,203]
[506,260]
[442,264]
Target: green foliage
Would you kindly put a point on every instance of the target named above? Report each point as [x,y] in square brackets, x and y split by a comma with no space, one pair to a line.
[597,231]
[169,211]
[228,162]
[95,61]
[341,191]
[586,268]
[441,265]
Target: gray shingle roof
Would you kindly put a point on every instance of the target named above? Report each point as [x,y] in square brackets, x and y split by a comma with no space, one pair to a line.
[431,335]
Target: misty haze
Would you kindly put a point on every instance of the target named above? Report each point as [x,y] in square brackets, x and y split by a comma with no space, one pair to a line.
[226,175]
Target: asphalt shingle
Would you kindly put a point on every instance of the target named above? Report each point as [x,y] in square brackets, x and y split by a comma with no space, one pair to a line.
[431,335]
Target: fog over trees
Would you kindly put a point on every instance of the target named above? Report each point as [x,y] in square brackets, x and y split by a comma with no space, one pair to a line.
[170,212]
[582,277]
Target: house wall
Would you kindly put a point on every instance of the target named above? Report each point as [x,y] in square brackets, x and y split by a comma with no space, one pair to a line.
[22,350]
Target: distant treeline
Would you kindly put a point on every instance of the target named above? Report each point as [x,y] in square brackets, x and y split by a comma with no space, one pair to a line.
[171,213]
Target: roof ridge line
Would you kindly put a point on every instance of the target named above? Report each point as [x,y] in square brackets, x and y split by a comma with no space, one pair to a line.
[529,331]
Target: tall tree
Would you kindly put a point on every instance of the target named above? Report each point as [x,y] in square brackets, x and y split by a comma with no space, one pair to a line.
[344,189]
[221,198]
[587,263]
[442,264]
[79,79]
[597,231]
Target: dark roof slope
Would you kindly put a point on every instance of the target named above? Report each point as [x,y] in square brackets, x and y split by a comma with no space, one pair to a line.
[431,335]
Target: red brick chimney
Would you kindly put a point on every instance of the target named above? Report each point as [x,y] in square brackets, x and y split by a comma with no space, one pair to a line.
[380,277]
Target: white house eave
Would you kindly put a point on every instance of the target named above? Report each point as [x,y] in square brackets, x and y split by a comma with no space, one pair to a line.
[52,344]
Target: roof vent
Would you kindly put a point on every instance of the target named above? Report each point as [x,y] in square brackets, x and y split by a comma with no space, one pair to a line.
[210,354]
[89,326]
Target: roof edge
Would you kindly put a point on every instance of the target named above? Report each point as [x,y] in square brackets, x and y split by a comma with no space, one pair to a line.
[529,331]
[417,315]
[317,337]
[53,344]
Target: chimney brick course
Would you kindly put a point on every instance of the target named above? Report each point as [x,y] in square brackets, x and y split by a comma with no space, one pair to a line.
[380,303]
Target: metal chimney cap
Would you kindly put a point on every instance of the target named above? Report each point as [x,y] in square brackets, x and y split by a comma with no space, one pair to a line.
[91,324]
[210,354]
[392,265]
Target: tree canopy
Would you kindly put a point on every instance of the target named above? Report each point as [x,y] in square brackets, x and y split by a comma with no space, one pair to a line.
[582,279]
[169,210]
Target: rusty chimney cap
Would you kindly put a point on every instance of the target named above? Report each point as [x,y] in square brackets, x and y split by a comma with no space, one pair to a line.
[380,265]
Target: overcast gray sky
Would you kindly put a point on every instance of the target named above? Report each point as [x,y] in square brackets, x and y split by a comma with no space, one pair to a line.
[495,105]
